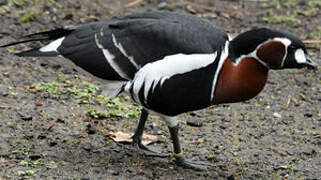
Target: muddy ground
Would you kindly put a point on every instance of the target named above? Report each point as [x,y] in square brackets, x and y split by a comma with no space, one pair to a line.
[54,124]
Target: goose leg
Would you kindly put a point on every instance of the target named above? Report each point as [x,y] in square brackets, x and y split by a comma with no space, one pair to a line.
[137,138]
[179,159]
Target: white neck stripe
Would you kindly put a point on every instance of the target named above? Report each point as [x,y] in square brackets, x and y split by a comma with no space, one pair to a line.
[253,54]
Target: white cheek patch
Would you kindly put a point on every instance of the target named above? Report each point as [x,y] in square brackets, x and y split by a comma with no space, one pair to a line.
[300,56]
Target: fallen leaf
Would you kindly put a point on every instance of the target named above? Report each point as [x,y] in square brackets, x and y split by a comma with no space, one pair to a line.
[312,41]
[236,14]
[39,103]
[207,15]
[133,3]
[127,138]
[317,136]
[191,9]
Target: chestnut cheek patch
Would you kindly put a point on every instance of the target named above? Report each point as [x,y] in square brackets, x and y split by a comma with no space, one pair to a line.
[272,53]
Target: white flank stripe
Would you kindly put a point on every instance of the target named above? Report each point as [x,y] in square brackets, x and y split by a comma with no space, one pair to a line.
[111,60]
[223,57]
[122,50]
[53,46]
[157,72]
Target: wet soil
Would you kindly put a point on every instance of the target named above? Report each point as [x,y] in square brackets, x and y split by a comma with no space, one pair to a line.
[276,135]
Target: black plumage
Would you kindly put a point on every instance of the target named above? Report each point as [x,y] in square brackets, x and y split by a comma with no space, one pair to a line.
[147,37]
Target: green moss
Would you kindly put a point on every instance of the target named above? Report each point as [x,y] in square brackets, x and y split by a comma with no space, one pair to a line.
[278,4]
[27,173]
[316,34]
[22,151]
[85,89]
[51,88]
[289,167]
[27,6]
[100,114]
[32,164]
[114,108]
[314,4]
[86,93]
[289,3]
[290,19]
[31,15]
[17,2]
[210,156]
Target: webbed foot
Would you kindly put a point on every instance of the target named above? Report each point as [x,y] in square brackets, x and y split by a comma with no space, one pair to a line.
[189,164]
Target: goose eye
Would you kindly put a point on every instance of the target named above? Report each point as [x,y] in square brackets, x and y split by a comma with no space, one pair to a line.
[292,46]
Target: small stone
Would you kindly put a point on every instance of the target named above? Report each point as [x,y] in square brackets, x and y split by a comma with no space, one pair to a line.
[19,156]
[57,66]
[194,123]
[4,146]
[53,143]
[90,129]
[308,114]
[231,177]
[87,147]
[152,125]
[42,136]
[35,157]
[26,118]
[39,103]
[4,94]
[43,64]
[277,115]
[113,172]
[60,120]
[308,152]
[162,5]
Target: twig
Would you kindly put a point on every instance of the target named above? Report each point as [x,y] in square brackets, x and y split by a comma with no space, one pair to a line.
[311,41]
[256,0]
[317,136]
[51,126]
[132,4]
[200,6]
[5,107]
[288,102]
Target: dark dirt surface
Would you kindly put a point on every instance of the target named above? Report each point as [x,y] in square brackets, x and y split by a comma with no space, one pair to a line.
[47,133]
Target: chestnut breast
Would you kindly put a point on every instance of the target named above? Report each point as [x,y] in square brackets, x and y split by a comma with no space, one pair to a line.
[241,82]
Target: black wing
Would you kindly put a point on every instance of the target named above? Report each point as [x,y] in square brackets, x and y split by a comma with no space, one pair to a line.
[116,49]
[151,36]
